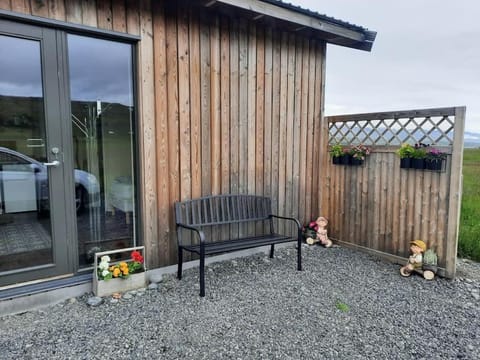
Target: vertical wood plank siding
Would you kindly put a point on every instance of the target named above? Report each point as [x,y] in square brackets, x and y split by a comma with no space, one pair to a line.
[382,207]
[226,105]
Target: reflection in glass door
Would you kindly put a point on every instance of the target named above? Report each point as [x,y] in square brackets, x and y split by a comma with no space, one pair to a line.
[101,91]
[66,151]
[28,242]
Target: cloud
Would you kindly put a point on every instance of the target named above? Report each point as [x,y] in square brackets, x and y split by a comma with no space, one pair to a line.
[425,55]
[21,73]
[100,69]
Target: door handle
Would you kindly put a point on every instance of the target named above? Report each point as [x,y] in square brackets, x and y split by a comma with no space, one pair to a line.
[54,163]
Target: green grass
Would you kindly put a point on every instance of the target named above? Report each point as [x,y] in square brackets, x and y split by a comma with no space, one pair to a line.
[342,306]
[469,235]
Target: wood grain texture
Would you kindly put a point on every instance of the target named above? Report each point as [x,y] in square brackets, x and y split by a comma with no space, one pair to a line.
[289,124]
[104,14]
[195,105]
[276,66]
[39,7]
[73,11]
[225,105]
[215,121]
[234,148]
[396,206]
[6,5]
[146,139]
[56,10]
[133,17]
[161,129]
[184,104]
[268,107]
[205,85]
[89,13]
[172,114]
[22,6]
[303,131]
[119,16]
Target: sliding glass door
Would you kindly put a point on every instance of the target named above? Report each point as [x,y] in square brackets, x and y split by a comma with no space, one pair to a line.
[66,151]
[31,162]
[101,91]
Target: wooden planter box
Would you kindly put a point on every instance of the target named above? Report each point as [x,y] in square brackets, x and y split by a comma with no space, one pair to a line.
[108,287]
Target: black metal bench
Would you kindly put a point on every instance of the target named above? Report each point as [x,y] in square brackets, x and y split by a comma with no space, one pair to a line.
[199,216]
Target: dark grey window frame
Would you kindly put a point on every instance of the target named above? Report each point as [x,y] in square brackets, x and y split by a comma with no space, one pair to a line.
[79,276]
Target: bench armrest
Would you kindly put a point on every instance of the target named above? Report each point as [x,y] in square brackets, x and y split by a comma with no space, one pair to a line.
[299,226]
[200,233]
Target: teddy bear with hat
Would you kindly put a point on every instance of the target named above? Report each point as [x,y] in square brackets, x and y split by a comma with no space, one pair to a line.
[415,260]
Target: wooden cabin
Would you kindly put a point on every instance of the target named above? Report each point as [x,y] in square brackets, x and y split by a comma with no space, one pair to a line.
[111,110]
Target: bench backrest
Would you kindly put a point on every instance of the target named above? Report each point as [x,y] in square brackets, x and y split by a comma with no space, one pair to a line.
[222,209]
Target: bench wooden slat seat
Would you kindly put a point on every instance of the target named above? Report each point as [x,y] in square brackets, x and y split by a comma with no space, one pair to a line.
[238,244]
[194,216]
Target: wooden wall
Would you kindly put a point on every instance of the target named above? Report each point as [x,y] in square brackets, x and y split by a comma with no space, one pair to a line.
[381,207]
[226,105]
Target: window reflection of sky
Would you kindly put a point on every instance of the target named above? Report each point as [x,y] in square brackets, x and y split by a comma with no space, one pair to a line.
[100,70]
[20,73]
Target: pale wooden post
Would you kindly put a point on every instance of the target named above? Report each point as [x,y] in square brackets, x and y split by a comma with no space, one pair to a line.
[455,197]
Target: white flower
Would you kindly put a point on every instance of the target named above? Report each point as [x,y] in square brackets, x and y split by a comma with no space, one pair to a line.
[105,273]
[103,265]
[105,258]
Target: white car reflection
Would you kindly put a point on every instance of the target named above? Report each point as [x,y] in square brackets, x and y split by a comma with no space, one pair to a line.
[24,184]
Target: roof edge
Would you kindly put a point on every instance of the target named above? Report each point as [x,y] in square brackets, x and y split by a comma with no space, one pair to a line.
[331,30]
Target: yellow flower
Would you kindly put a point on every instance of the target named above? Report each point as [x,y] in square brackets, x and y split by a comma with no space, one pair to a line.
[116,272]
[123,265]
[111,268]
[125,271]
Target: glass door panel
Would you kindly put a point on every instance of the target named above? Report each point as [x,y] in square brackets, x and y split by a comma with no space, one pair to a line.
[27,238]
[101,91]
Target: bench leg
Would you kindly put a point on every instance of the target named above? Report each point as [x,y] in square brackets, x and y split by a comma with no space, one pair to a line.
[202,273]
[272,248]
[180,262]
[299,254]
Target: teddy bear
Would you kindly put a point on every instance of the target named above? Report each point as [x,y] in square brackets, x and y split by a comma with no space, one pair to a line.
[322,236]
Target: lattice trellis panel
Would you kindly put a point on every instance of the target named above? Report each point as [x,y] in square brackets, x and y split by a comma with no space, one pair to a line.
[392,129]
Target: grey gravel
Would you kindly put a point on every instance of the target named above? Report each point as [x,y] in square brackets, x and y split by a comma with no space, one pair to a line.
[344,305]
[94,301]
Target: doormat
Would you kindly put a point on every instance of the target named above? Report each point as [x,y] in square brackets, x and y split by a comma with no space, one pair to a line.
[17,238]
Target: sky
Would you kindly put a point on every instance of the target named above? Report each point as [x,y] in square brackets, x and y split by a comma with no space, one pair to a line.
[426,55]
[99,69]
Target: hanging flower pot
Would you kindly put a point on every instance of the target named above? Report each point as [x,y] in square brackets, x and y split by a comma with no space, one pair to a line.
[418,164]
[435,159]
[405,163]
[433,164]
[358,154]
[418,157]
[336,152]
[346,159]
[336,160]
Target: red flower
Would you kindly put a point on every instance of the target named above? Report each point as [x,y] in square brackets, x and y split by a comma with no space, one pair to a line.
[136,256]
[313,225]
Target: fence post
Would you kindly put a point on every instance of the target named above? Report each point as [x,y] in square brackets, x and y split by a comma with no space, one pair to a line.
[455,198]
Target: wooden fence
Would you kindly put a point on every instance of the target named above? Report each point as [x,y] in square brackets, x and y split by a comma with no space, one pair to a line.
[380,207]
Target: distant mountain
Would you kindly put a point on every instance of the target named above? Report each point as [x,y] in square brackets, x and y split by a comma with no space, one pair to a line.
[471,139]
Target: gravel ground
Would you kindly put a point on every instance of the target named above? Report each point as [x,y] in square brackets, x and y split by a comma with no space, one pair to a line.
[344,305]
